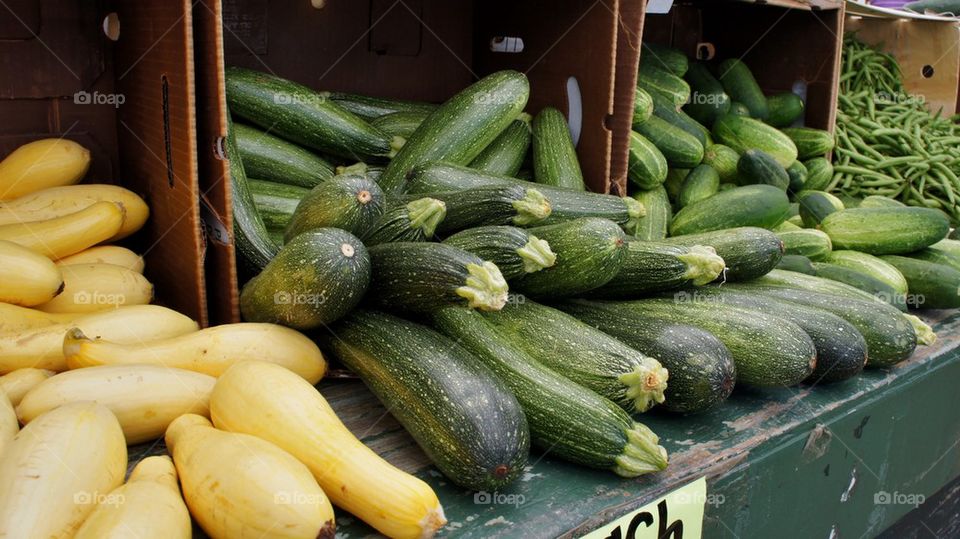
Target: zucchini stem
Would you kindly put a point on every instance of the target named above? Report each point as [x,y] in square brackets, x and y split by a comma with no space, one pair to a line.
[925,333]
[532,208]
[359,168]
[642,454]
[396,143]
[485,287]
[536,255]
[426,213]
[645,384]
[704,265]
[635,211]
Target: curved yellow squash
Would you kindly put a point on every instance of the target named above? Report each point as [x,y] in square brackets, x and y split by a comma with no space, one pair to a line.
[148,506]
[27,278]
[239,486]
[63,236]
[9,426]
[16,384]
[211,351]
[41,164]
[89,288]
[14,319]
[106,254]
[145,398]
[272,403]
[42,348]
[60,201]
[58,468]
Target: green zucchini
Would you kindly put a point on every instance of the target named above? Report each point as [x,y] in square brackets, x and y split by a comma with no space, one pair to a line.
[931,285]
[807,242]
[302,115]
[863,281]
[467,422]
[369,107]
[810,142]
[401,123]
[819,173]
[723,159]
[654,267]
[665,57]
[876,201]
[274,159]
[462,127]
[880,231]
[514,250]
[870,265]
[762,206]
[742,134]
[739,109]
[647,165]
[667,111]
[797,173]
[701,183]
[583,354]
[422,276]
[708,100]
[492,205]
[253,242]
[554,157]
[738,82]
[316,278]
[759,167]
[505,155]
[748,252]
[351,203]
[414,221]
[275,202]
[681,149]
[815,206]
[565,418]
[783,109]
[702,372]
[655,80]
[642,106]
[797,263]
[653,226]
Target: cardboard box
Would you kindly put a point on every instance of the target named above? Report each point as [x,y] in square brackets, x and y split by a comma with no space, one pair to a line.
[416,49]
[130,101]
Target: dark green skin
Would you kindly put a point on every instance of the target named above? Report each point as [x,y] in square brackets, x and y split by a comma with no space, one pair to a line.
[648,267]
[487,205]
[273,159]
[738,82]
[939,284]
[702,182]
[589,253]
[351,203]
[402,123]
[370,107]
[797,263]
[810,142]
[708,101]
[807,242]
[565,418]
[275,202]
[504,156]
[739,109]
[813,284]
[653,226]
[748,252]
[668,112]
[497,244]
[681,149]
[665,57]
[862,281]
[939,255]
[763,206]
[555,160]
[702,372]
[819,173]
[759,167]
[783,109]
[798,176]
[315,279]
[467,422]
[251,237]
[815,206]
[302,115]
[394,226]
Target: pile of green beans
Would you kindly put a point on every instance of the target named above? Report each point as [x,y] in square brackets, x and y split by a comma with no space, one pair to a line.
[888,143]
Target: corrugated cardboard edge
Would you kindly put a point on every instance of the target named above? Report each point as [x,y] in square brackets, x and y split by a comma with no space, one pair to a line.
[630,17]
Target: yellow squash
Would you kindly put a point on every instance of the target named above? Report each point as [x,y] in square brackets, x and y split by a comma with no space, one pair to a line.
[60,201]
[58,468]
[14,319]
[27,278]
[106,254]
[41,164]
[239,486]
[210,351]
[9,426]
[63,236]
[89,288]
[42,347]
[272,403]
[144,398]
[148,506]
[16,384]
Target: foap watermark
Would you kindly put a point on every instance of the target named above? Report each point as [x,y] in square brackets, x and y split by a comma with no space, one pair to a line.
[703,98]
[700,498]
[912,300]
[287,98]
[94,297]
[96,98]
[284,297]
[84,497]
[695,297]
[900,98]
[498,498]
[285,497]
[499,98]
[516,299]
[898,498]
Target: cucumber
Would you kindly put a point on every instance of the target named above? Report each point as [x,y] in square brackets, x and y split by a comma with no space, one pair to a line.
[768,351]
[554,157]
[738,82]
[665,57]
[653,226]
[566,205]
[723,159]
[467,422]
[274,159]
[762,206]
[302,115]
[932,285]
[275,202]
[642,106]
[815,206]
[849,201]
[797,263]
[813,284]
[881,231]
[681,149]
[742,134]
[739,109]
[674,182]
[871,265]
[702,372]
[590,252]
[748,252]
[947,246]
[807,242]
[253,242]
[647,165]
[863,281]
[797,173]
[654,80]
[701,183]
[876,201]
[937,256]
[422,277]
[461,128]
[514,250]
[583,354]
[667,111]
[315,279]
[810,142]
[819,173]
[794,209]
[401,123]
[783,109]
[370,107]
[351,203]
[708,100]
[505,155]
[565,418]
[759,167]
[654,267]
[493,205]
[786,226]
[411,222]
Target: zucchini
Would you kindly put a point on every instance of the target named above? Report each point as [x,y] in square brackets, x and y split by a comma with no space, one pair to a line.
[881,231]
[462,127]
[315,279]
[654,267]
[681,149]
[768,351]
[653,226]
[302,115]
[655,80]
[723,159]
[505,155]
[863,281]
[642,106]
[414,221]
[369,107]
[492,205]
[514,250]
[583,354]
[466,421]
[421,277]
[274,159]
[253,242]
[759,167]
[797,173]
[647,165]
[748,252]
[807,242]
[665,57]
[876,201]
[810,142]
[275,202]
[738,82]
[565,418]
[401,123]
[351,203]
[702,182]
[783,109]
[870,265]
[554,157]
[812,284]
[819,173]
[590,252]
[708,100]
[762,206]
[742,134]
[702,372]
[931,285]
[797,263]
[815,206]
[739,109]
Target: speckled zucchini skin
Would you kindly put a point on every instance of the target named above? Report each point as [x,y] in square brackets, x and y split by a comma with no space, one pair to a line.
[514,250]
[654,267]
[491,205]
[351,203]
[270,158]
[505,155]
[370,107]
[554,157]
[748,252]
[401,123]
[254,245]
[653,226]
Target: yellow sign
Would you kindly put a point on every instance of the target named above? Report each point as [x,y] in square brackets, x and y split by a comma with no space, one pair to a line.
[677,515]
